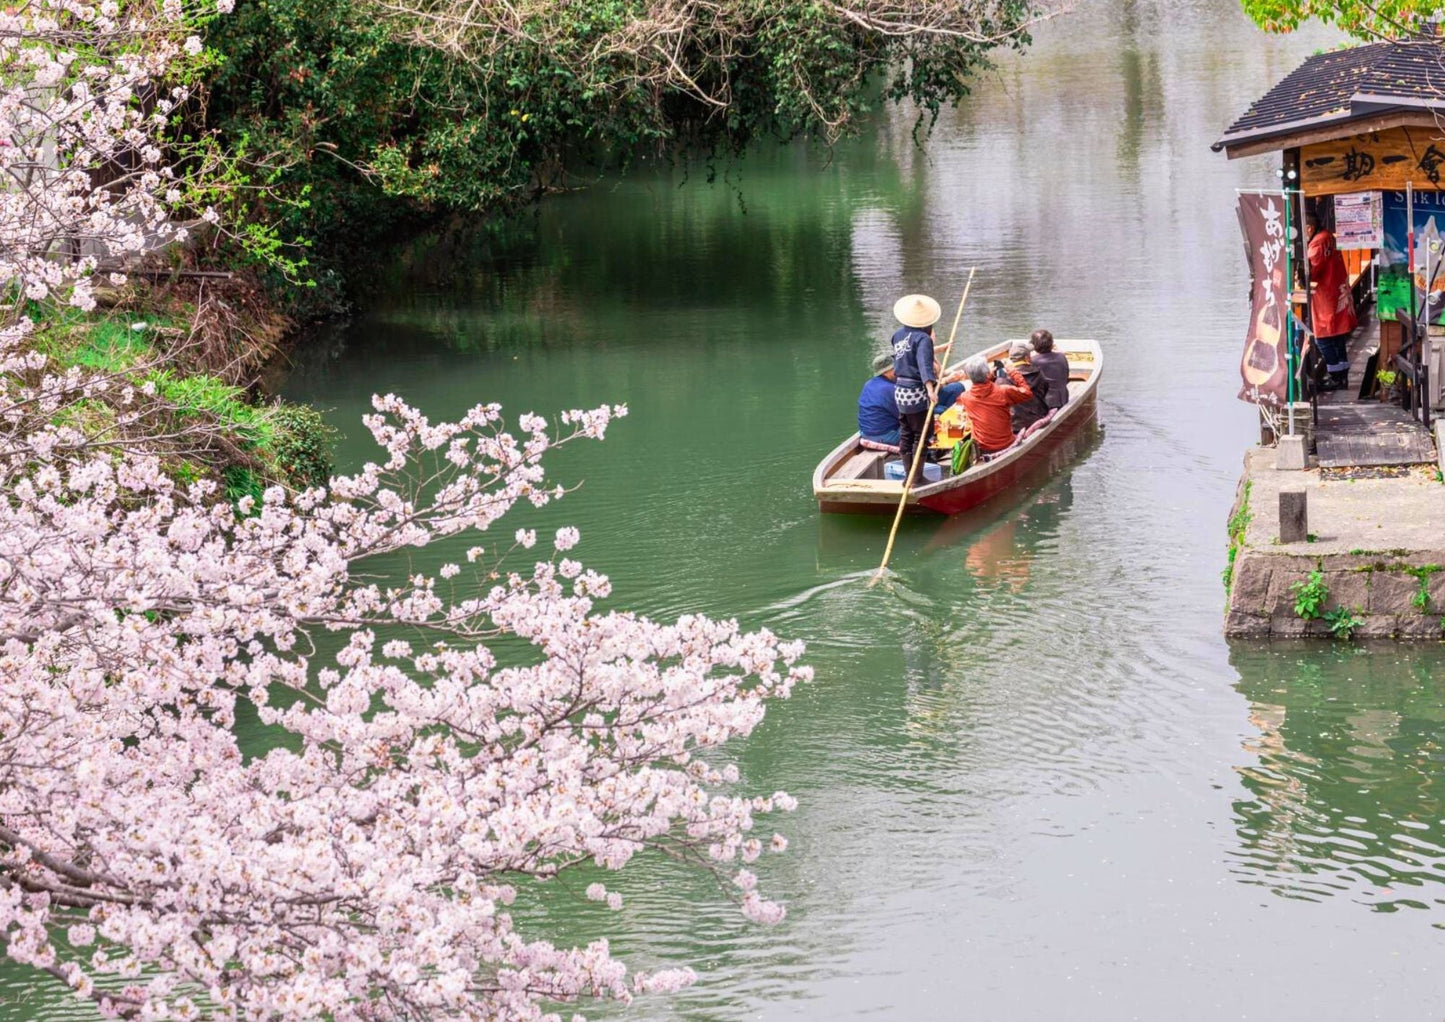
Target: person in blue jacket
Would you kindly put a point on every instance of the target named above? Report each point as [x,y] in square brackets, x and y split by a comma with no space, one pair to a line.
[877,409]
[913,371]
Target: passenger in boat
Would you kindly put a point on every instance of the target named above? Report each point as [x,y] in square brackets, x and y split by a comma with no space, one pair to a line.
[913,370]
[1054,365]
[1332,307]
[988,399]
[1026,413]
[878,410]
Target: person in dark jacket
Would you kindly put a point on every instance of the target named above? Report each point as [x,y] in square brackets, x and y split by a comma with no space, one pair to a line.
[913,371]
[1026,413]
[1054,365]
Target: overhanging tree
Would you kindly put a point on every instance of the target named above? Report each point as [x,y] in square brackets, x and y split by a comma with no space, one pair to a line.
[380,109]
[1363,18]
[471,734]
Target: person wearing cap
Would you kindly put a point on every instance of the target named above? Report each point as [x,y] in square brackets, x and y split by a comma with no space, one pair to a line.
[878,409]
[988,401]
[1053,364]
[916,379]
[1026,413]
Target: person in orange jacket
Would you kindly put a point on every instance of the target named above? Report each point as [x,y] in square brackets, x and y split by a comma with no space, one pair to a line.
[1332,307]
[988,400]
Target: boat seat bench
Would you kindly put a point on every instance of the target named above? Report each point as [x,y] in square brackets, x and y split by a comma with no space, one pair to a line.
[856,467]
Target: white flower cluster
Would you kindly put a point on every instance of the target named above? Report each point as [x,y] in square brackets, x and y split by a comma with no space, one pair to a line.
[371,856]
[86,91]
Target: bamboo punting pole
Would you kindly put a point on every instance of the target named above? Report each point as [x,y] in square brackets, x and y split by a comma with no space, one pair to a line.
[923,439]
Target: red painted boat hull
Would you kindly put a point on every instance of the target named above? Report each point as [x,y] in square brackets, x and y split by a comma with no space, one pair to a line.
[1048,459]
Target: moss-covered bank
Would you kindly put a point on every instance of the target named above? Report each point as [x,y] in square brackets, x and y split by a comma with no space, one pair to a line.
[194,348]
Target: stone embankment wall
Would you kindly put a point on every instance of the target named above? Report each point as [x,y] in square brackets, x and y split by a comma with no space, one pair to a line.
[1377,544]
[1395,594]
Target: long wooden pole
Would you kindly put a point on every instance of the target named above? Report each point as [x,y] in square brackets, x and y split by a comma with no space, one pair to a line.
[923,438]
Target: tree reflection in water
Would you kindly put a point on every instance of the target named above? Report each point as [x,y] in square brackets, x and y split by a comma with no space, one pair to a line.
[1344,797]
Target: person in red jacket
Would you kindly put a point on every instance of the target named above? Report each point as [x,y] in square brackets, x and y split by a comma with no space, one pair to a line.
[1332,308]
[988,400]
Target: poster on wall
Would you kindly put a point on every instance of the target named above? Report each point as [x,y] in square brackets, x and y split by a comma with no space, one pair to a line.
[1264,366]
[1393,284]
[1358,220]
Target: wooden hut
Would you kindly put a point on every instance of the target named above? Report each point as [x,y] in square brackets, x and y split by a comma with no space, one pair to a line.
[1361,137]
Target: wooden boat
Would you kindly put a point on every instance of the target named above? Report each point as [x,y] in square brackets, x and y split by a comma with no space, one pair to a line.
[850,479]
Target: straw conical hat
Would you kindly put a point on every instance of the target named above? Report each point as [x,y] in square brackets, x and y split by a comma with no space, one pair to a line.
[918,311]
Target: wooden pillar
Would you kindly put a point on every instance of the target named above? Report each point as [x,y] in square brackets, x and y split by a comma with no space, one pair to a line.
[1290,181]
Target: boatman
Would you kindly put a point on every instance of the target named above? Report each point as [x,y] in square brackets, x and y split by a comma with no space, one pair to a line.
[917,383]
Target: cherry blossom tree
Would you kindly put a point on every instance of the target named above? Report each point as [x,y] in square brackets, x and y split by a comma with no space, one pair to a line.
[433,769]
[444,744]
[86,135]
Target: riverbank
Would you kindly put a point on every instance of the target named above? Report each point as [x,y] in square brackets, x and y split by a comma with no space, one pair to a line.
[195,348]
[1371,566]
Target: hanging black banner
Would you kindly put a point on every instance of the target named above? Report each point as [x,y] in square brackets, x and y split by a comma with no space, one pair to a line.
[1264,366]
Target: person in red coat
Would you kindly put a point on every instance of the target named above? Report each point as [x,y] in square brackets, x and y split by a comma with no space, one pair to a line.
[987,401]
[1332,308]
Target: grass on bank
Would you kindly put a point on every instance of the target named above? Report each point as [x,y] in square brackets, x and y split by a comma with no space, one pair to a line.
[278,442]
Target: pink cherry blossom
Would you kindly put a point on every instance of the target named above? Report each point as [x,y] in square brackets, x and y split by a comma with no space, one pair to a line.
[438,744]
[373,854]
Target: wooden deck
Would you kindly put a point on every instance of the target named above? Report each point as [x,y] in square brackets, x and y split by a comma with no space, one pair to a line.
[1351,432]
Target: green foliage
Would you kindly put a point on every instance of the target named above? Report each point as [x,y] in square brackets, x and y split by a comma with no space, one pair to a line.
[1343,621]
[1362,18]
[111,347]
[241,481]
[1237,525]
[292,442]
[1421,599]
[302,444]
[202,395]
[1310,596]
[368,132]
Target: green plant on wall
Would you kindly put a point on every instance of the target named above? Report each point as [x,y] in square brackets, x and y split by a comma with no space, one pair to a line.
[1421,600]
[1343,621]
[1310,595]
[1237,525]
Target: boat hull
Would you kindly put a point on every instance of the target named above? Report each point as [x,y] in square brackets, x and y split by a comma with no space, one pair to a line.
[1046,459]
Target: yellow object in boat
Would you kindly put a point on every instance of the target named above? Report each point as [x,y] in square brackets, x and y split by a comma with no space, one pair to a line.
[950,428]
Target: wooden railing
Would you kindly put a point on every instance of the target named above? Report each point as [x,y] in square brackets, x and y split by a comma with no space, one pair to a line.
[1413,373]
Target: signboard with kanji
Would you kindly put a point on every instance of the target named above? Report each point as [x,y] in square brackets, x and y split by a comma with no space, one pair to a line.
[1376,161]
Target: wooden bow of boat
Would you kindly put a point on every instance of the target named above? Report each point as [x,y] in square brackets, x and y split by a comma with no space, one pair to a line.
[850,479]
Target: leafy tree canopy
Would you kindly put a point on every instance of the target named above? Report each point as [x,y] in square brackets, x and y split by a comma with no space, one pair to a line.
[1364,18]
[380,109]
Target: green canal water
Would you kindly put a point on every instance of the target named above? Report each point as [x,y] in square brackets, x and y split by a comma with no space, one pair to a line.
[1035,781]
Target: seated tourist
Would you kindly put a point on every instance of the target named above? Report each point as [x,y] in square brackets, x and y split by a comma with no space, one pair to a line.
[878,411]
[1026,413]
[1054,365]
[988,400]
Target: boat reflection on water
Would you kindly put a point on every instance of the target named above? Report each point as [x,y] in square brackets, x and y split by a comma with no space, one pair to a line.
[1344,797]
[999,539]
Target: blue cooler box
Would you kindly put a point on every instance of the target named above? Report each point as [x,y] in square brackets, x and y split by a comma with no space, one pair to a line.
[894,471]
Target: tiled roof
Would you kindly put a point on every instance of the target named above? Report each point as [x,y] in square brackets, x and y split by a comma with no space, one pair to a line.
[1347,83]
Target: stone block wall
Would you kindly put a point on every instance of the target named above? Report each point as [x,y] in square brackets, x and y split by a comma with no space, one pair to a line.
[1382,588]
